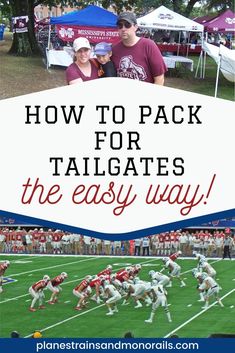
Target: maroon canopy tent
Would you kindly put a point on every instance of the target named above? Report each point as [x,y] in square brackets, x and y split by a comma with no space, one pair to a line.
[222,23]
[204,19]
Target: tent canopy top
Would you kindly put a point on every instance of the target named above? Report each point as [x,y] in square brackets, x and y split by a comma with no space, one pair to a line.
[222,23]
[163,18]
[90,16]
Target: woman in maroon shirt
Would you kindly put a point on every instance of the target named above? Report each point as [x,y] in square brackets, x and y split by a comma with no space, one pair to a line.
[83,69]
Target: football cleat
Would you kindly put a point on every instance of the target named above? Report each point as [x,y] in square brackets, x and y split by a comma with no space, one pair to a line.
[78,308]
[138,306]
[148,321]
[42,307]
[109,313]
[32,309]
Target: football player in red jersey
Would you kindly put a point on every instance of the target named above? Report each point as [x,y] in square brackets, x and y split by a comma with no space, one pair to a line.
[3,267]
[96,283]
[36,291]
[175,256]
[54,286]
[106,271]
[80,291]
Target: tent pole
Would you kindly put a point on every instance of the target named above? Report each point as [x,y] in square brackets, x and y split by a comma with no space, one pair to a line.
[217,76]
[204,61]
[48,45]
[178,49]
[188,45]
[198,64]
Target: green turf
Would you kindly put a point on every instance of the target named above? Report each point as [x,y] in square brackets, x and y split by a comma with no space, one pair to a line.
[92,321]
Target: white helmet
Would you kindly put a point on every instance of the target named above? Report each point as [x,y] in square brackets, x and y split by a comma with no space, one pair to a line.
[125,285]
[179,252]
[7,262]
[64,274]
[151,273]
[128,268]
[109,267]
[194,272]
[138,267]
[165,259]
[88,278]
[198,274]
[46,278]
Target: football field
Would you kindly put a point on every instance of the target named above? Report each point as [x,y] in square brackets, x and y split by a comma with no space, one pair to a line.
[61,320]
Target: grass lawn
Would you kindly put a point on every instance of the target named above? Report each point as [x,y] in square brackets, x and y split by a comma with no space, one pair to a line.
[26,75]
[61,320]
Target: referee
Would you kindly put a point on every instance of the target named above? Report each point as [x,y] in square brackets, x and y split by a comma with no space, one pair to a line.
[228,242]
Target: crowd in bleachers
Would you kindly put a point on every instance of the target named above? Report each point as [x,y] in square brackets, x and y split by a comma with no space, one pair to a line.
[49,241]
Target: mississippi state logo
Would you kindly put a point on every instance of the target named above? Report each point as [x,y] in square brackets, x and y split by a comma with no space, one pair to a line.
[129,69]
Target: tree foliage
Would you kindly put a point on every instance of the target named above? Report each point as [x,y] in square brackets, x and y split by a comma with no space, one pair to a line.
[25,44]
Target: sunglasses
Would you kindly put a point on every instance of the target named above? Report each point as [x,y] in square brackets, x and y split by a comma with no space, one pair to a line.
[124,24]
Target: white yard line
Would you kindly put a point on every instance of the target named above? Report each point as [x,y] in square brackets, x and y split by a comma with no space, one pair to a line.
[68,319]
[48,268]
[198,314]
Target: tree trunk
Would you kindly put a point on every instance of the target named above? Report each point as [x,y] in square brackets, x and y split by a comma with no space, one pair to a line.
[24,44]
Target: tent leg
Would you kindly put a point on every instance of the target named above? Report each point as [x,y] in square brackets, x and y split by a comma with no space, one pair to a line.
[198,64]
[204,65]
[217,77]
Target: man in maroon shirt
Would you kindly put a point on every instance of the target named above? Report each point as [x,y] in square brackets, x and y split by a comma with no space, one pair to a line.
[134,57]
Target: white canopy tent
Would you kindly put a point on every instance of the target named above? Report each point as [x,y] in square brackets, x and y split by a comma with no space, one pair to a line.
[225,60]
[163,18]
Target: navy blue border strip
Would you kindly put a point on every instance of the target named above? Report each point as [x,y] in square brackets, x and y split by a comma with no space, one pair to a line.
[196,221]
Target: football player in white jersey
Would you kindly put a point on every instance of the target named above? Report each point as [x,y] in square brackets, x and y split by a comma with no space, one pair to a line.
[174,270]
[211,287]
[160,278]
[206,267]
[159,299]
[138,291]
[113,296]
[199,276]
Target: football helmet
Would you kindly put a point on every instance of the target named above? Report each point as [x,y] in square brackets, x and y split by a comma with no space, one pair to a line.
[7,262]
[46,278]
[88,278]
[128,268]
[165,259]
[151,273]
[109,267]
[64,274]
[198,274]
[194,271]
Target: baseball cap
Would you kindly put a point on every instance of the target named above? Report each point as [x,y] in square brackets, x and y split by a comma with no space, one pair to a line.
[128,17]
[102,48]
[81,43]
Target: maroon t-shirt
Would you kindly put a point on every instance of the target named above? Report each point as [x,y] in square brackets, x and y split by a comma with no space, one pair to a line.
[142,61]
[73,72]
